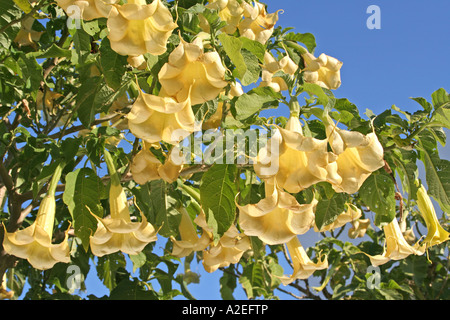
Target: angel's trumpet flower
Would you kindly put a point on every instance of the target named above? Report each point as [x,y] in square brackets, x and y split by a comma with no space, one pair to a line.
[358,156]
[146,167]
[257,25]
[359,228]
[324,70]
[229,11]
[302,161]
[87,9]
[34,243]
[4,293]
[117,232]
[304,267]
[191,74]
[229,249]
[26,35]
[278,217]
[272,66]
[159,118]
[189,240]
[436,234]
[137,28]
[396,247]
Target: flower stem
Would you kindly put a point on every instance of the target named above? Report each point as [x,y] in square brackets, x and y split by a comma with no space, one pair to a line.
[114,175]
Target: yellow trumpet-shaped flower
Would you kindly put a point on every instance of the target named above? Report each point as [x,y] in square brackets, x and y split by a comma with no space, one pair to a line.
[324,70]
[26,35]
[34,243]
[278,217]
[396,247]
[358,156]
[257,25]
[159,118]
[191,74]
[299,162]
[47,100]
[189,240]
[117,232]
[4,293]
[230,11]
[137,28]
[359,228]
[436,234]
[352,214]
[228,250]
[87,9]
[304,267]
[146,167]
[272,66]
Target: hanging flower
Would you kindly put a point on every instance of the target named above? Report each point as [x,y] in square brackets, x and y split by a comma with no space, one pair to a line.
[117,232]
[271,67]
[304,267]
[137,28]
[26,35]
[228,250]
[88,9]
[257,25]
[137,62]
[396,248]
[159,118]
[229,11]
[358,156]
[359,228]
[436,234]
[34,243]
[189,240]
[146,167]
[324,70]
[299,162]
[278,217]
[191,74]
[352,214]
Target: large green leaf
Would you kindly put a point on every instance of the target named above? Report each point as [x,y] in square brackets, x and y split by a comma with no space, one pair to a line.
[378,193]
[247,67]
[252,102]
[84,190]
[437,173]
[328,210]
[113,65]
[217,194]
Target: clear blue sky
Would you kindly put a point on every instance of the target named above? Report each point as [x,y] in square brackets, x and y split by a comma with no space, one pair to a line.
[407,57]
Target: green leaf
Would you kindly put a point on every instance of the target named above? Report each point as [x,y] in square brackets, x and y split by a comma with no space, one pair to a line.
[113,65]
[247,65]
[248,104]
[378,193]
[82,195]
[252,279]
[217,194]
[406,167]
[159,207]
[108,266]
[132,290]
[53,52]
[437,173]
[315,90]
[228,284]
[440,98]
[307,39]
[328,210]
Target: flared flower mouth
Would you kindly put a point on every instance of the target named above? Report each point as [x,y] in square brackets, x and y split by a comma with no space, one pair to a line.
[278,217]
[156,118]
[257,24]
[396,247]
[358,156]
[137,28]
[324,70]
[304,267]
[192,74]
[302,161]
[271,67]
